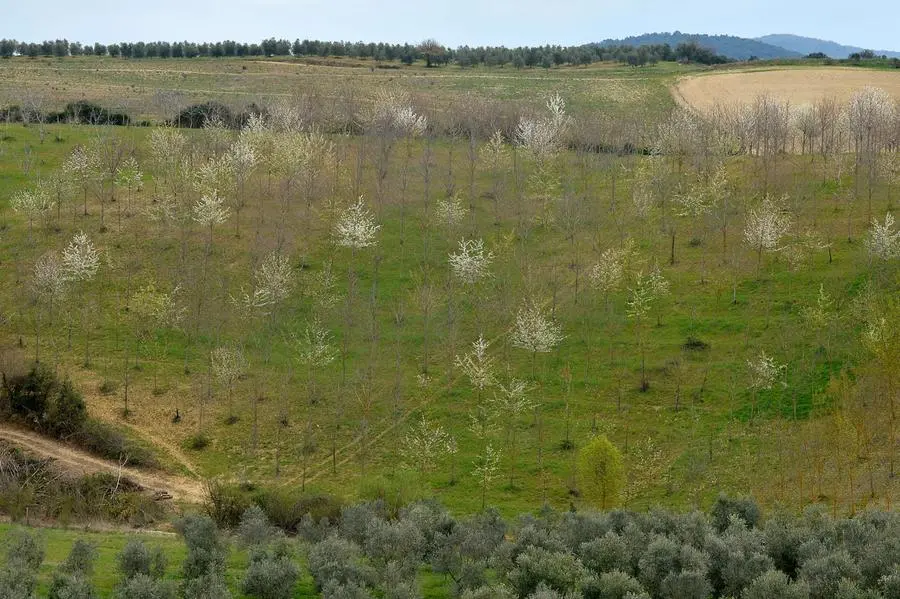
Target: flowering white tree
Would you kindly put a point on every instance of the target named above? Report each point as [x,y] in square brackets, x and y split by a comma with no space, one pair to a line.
[487,465]
[356,227]
[764,373]
[424,444]
[608,273]
[883,242]
[80,259]
[647,289]
[210,210]
[35,203]
[535,332]
[228,364]
[314,351]
[767,223]
[543,136]
[450,212]
[82,166]
[478,366]
[471,263]
[273,281]
[242,160]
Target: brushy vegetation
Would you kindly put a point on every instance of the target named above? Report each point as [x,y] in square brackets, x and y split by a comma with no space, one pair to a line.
[422,551]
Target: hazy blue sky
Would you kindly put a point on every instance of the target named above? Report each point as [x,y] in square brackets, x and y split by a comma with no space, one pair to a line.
[872,24]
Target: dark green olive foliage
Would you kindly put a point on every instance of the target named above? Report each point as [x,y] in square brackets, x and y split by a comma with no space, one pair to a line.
[254,529]
[464,551]
[737,558]
[142,586]
[204,566]
[338,560]
[672,571]
[272,573]
[608,553]
[745,508]
[545,592]
[558,570]
[611,585]
[824,572]
[23,557]
[136,558]
[775,583]
[489,592]
[71,580]
[347,590]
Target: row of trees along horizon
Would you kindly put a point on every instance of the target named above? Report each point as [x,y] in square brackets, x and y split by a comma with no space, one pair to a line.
[360,277]
[430,51]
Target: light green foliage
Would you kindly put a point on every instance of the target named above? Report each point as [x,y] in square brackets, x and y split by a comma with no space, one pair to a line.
[601,474]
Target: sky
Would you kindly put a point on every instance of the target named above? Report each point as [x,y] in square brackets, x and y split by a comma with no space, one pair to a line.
[459,22]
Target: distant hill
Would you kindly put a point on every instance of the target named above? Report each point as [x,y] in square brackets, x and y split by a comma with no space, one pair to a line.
[737,48]
[809,45]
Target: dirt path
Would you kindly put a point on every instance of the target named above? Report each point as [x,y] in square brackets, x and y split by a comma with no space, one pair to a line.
[181,489]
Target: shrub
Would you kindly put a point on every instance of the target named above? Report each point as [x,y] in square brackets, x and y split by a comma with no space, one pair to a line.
[197,116]
[205,550]
[70,586]
[226,503]
[337,560]
[254,528]
[745,508]
[144,587]
[208,586]
[106,441]
[775,584]
[823,573]
[338,590]
[606,554]
[668,569]
[611,585]
[136,558]
[198,442]
[270,576]
[559,571]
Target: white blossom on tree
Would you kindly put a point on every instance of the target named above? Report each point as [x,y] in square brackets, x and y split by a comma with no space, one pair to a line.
[609,271]
[477,365]
[534,331]
[35,203]
[764,371]
[228,365]
[883,242]
[80,258]
[356,227]
[210,210]
[494,152]
[163,309]
[424,444]
[543,136]
[50,280]
[314,349]
[273,281]
[766,225]
[470,264]
[487,466]
[449,212]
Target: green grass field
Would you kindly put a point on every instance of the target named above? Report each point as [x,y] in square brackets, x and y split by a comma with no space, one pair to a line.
[399,318]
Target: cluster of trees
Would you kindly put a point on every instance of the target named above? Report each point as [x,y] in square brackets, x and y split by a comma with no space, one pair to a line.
[372,551]
[430,51]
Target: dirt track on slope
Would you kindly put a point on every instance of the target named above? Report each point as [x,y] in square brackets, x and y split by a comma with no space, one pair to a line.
[76,461]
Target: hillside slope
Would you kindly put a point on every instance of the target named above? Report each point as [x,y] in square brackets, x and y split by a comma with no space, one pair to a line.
[809,45]
[737,48]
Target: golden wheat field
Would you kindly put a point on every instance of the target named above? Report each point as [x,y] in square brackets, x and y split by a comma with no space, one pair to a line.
[797,85]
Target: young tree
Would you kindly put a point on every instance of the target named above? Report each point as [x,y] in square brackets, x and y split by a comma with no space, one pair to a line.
[228,365]
[601,473]
[535,332]
[472,262]
[767,223]
[510,403]
[883,242]
[764,373]
[487,465]
[424,445]
[35,203]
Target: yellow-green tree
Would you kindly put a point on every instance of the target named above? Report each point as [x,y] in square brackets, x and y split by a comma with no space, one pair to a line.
[601,475]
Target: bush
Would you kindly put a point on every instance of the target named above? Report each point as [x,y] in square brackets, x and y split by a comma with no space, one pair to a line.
[226,503]
[337,560]
[205,550]
[198,442]
[775,584]
[823,573]
[611,585]
[745,508]
[144,587]
[138,559]
[106,441]
[198,115]
[254,528]
[559,571]
[606,554]
[338,590]
[270,576]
